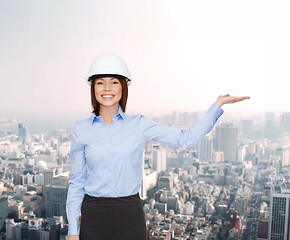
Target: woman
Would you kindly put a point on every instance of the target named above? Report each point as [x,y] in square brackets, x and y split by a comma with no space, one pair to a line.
[107,155]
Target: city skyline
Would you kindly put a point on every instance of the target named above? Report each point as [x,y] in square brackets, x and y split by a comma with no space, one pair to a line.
[216,190]
[181,56]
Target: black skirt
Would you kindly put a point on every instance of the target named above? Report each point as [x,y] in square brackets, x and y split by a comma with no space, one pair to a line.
[106,218]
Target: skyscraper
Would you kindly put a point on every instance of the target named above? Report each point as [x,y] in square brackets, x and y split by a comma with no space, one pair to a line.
[285,122]
[55,201]
[159,159]
[269,129]
[3,210]
[247,128]
[226,140]
[205,148]
[22,132]
[279,212]
[48,176]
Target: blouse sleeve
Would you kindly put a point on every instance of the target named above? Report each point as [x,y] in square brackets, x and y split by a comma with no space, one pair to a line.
[180,138]
[76,183]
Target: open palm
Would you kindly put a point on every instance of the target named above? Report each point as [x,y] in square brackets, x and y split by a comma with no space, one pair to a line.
[226,99]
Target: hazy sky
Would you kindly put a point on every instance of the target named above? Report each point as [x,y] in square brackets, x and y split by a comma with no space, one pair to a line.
[181,54]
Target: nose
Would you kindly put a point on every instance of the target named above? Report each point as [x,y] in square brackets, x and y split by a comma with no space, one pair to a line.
[107,86]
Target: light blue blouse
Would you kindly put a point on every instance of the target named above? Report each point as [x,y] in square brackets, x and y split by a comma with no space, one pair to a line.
[107,160]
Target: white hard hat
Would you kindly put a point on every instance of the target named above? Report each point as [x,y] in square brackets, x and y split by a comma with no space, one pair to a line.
[109,64]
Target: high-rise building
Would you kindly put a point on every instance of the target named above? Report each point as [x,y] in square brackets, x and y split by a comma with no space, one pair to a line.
[279,224]
[235,223]
[159,159]
[183,119]
[240,205]
[247,128]
[3,210]
[218,157]
[269,129]
[55,200]
[285,123]
[149,181]
[263,224]
[61,179]
[205,148]
[226,140]
[186,119]
[13,230]
[23,132]
[34,226]
[48,175]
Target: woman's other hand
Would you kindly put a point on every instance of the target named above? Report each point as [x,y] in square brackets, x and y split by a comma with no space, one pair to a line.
[225,99]
[73,237]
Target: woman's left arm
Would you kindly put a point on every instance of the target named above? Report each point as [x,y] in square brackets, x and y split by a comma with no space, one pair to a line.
[190,137]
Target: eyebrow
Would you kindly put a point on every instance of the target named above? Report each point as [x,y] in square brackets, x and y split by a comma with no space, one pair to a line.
[103,79]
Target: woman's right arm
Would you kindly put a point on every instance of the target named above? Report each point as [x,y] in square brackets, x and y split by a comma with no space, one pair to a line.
[77,180]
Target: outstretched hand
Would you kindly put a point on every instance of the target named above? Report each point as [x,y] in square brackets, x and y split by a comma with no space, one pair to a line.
[225,99]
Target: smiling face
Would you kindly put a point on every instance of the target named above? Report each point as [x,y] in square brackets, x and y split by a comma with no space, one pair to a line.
[108,91]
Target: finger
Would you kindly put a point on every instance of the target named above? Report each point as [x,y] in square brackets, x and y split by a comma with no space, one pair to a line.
[238,99]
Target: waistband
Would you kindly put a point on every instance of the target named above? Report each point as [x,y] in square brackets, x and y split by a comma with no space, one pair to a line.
[113,201]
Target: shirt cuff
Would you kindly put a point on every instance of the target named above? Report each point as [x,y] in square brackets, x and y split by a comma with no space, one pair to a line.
[215,111]
[73,229]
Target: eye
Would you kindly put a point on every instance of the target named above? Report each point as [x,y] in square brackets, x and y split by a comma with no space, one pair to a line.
[99,83]
[115,82]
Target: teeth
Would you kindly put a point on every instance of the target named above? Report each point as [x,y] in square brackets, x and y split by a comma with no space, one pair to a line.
[108,96]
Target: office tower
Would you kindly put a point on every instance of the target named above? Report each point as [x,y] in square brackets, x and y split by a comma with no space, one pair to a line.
[149,181]
[172,203]
[162,207]
[183,119]
[186,120]
[263,224]
[186,158]
[61,179]
[159,159]
[279,227]
[13,230]
[23,133]
[3,210]
[27,179]
[205,149]
[226,140]
[247,128]
[55,200]
[48,175]
[165,182]
[235,223]
[285,123]
[169,119]
[44,234]
[218,157]
[143,191]
[241,153]
[54,231]
[193,119]
[269,128]
[34,226]
[240,205]
[284,156]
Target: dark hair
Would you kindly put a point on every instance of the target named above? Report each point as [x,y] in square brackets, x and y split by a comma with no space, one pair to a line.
[123,100]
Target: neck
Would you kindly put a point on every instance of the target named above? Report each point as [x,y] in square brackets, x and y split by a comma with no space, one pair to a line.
[107,113]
